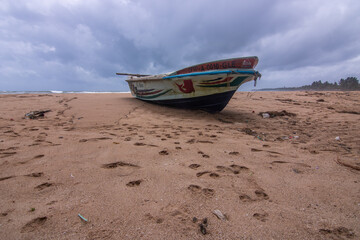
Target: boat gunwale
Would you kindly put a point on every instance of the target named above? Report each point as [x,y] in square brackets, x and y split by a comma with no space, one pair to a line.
[213,72]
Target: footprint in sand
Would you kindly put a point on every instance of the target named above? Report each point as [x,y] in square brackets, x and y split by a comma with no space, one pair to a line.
[208,192]
[15,134]
[36,157]
[164,152]
[5,178]
[211,174]
[152,145]
[51,203]
[225,120]
[7,149]
[7,154]
[261,216]
[37,174]
[34,224]
[194,188]
[4,214]
[194,166]
[139,144]
[68,129]
[203,154]
[260,195]
[237,169]
[124,168]
[245,198]
[224,169]
[43,186]
[119,164]
[204,141]
[134,183]
[234,153]
[338,233]
[156,220]
[197,189]
[214,175]
[94,139]
[273,152]
[199,174]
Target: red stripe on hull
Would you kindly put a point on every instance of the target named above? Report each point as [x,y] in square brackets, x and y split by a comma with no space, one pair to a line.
[241,63]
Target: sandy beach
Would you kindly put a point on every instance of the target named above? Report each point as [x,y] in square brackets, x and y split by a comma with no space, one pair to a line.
[135,170]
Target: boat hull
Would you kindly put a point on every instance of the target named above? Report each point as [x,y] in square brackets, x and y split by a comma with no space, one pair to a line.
[195,87]
[210,103]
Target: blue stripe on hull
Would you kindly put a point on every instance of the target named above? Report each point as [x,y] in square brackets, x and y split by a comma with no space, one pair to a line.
[209,103]
[211,73]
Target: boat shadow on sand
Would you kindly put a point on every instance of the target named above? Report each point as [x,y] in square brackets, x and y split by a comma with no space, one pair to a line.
[227,116]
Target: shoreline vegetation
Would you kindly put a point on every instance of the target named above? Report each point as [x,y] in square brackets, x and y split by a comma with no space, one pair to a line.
[348,84]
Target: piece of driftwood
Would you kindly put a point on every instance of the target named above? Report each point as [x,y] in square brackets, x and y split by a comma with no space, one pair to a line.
[36,114]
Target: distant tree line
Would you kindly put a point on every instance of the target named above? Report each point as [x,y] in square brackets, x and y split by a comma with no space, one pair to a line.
[348,84]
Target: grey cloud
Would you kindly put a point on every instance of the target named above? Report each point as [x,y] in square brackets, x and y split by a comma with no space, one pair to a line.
[79,45]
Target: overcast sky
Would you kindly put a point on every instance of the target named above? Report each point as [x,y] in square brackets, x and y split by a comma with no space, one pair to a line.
[79,45]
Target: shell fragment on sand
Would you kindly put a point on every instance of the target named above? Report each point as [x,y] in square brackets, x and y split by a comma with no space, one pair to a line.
[219,214]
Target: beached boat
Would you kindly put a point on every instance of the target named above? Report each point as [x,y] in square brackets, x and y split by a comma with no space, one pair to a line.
[208,86]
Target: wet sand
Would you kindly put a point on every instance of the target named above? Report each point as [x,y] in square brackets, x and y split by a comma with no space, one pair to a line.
[140,171]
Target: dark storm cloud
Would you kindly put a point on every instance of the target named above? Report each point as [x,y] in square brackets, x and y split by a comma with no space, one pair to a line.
[79,45]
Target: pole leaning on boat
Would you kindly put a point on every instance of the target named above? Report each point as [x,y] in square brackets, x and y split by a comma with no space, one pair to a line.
[133,74]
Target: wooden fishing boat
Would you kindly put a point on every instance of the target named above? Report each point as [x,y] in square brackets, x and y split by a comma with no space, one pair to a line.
[207,86]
